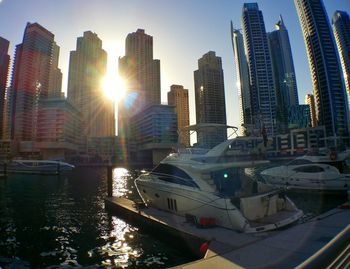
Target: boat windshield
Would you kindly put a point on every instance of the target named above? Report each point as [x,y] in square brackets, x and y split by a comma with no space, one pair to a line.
[233,182]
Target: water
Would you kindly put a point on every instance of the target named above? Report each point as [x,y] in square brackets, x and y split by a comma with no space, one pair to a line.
[60,221]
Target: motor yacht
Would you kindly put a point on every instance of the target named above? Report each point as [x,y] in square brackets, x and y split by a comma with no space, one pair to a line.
[38,166]
[212,185]
[321,172]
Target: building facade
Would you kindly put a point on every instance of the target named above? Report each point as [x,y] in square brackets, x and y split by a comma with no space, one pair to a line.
[328,87]
[178,97]
[310,100]
[4,70]
[210,97]
[341,31]
[263,98]
[153,132]
[55,81]
[141,74]
[284,74]
[299,117]
[59,133]
[242,78]
[87,68]
[30,80]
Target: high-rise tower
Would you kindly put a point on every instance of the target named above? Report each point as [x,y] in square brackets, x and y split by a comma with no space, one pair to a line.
[210,97]
[284,74]
[263,98]
[87,68]
[242,77]
[341,30]
[141,74]
[310,100]
[4,69]
[30,80]
[55,82]
[178,97]
[328,86]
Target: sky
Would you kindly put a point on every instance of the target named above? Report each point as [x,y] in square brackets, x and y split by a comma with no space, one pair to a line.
[182,30]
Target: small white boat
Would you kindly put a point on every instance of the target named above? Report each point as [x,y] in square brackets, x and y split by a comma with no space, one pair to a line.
[318,172]
[38,167]
[211,187]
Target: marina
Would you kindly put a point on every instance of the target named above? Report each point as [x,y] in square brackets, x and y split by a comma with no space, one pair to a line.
[284,248]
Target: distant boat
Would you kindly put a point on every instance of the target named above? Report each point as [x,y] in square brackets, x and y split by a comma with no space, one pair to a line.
[38,167]
[319,172]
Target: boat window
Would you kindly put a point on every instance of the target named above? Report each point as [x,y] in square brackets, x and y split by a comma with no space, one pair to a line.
[172,174]
[309,169]
[299,162]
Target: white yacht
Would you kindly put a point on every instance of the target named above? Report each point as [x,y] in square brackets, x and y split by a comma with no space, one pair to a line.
[321,172]
[211,185]
[38,167]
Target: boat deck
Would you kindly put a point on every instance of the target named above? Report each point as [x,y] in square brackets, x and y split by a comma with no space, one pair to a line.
[285,248]
[272,219]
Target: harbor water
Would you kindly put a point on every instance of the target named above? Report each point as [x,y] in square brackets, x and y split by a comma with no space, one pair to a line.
[60,221]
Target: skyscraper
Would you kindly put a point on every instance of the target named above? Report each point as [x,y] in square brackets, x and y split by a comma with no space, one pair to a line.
[178,97]
[141,74]
[55,82]
[328,86]
[341,30]
[210,97]
[4,69]
[242,77]
[263,98]
[284,74]
[30,80]
[87,67]
[310,100]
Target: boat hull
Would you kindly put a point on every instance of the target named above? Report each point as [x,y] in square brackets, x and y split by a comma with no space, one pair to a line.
[324,184]
[41,168]
[184,201]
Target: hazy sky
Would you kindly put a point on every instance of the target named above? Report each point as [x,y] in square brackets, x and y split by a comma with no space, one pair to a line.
[182,30]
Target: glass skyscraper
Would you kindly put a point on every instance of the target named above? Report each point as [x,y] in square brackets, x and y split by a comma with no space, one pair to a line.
[328,87]
[284,74]
[242,77]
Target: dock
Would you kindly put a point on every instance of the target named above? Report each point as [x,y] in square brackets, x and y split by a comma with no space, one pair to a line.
[285,248]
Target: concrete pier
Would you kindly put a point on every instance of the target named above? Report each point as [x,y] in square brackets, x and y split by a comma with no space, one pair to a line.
[284,248]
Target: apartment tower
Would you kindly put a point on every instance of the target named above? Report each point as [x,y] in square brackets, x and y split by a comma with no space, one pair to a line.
[4,69]
[87,68]
[30,80]
[210,98]
[341,30]
[328,87]
[178,97]
[142,76]
[263,98]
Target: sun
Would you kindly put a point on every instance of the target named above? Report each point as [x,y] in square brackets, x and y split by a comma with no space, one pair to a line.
[114,87]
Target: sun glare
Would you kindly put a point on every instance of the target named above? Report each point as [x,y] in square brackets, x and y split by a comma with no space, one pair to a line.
[114,87]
